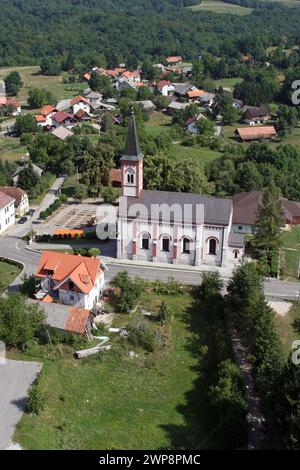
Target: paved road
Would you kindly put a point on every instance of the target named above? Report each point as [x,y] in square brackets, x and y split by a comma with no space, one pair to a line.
[15,379]
[49,198]
[14,248]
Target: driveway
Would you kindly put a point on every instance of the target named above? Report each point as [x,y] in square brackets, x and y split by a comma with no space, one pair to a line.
[15,379]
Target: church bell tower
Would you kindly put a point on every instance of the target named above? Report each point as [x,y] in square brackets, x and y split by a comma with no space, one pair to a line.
[132,162]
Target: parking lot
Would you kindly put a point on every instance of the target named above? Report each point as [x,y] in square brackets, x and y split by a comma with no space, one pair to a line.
[72,216]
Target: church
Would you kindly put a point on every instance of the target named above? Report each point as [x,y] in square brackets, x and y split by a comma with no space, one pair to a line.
[171,227]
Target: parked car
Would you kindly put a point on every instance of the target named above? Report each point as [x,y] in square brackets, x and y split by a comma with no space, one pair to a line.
[23,220]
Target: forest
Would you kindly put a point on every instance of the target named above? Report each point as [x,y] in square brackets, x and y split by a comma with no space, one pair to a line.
[115,31]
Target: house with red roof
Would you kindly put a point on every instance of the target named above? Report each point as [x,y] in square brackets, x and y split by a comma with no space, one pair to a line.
[71,279]
[174,59]
[20,198]
[80,103]
[165,87]
[10,106]
[62,119]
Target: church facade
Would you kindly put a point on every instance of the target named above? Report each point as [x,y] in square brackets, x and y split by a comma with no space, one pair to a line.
[171,227]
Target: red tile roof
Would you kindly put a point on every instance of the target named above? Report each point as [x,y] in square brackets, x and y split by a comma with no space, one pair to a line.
[5,200]
[82,270]
[115,175]
[195,93]
[45,110]
[77,320]
[15,193]
[255,133]
[163,83]
[60,116]
[174,58]
[40,118]
[78,99]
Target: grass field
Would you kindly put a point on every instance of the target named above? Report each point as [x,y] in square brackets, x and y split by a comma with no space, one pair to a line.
[227,82]
[158,122]
[8,272]
[204,155]
[288,327]
[154,401]
[216,6]
[32,78]
[11,149]
[290,254]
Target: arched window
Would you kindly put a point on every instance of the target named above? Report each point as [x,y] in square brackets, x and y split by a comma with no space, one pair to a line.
[145,241]
[236,254]
[130,176]
[212,246]
[186,245]
[165,243]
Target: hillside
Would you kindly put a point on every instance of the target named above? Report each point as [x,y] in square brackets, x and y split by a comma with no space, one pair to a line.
[124,30]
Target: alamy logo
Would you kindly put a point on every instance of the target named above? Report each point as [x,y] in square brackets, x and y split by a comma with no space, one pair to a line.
[296,93]
[296,353]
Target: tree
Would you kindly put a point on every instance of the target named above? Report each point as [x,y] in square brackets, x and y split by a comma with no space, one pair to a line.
[25,123]
[80,192]
[38,97]
[267,238]
[211,286]
[19,321]
[13,83]
[102,84]
[28,178]
[50,66]
[110,195]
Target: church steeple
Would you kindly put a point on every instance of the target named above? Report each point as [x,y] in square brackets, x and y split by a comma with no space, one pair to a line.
[132,146]
[132,162]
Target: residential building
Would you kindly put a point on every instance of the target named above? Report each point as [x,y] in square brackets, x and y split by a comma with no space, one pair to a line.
[20,197]
[7,211]
[191,123]
[62,133]
[71,279]
[245,207]
[175,106]
[80,103]
[255,115]
[11,106]
[171,227]
[257,133]
[174,59]
[62,119]
[15,177]
[165,87]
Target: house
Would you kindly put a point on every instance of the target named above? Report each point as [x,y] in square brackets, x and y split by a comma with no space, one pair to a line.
[115,177]
[245,207]
[181,89]
[82,116]
[71,279]
[15,177]
[10,106]
[62,133]
[62,119]
[175,106]
[20,197]
[191,123]
[250,133]
[171,227]
[207,99]
[44,118]
[94,98]
[194,94]
[174,59]
[86,77]
[80,103]
[237,104]
[7,211]
[147,105]
[255,115]
[64,105]
[165,87]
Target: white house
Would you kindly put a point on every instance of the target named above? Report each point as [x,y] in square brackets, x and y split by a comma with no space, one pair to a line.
[7,211]
[81,103]
[71,279]
[20,198]
[165,87]
[171,227]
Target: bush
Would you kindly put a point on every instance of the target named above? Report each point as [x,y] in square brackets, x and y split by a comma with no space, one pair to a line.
[164,313]
[140,333]
[130,291]
[110,195]
[29,285]
[94,252]
[36,400]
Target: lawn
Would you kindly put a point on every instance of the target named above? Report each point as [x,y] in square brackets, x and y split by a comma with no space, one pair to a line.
[288,327]
[204,155]
[227,82]
[154,401]
[8,272]
[290,254]
[32,78]
[11,149]
[158,122]
[217,6]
